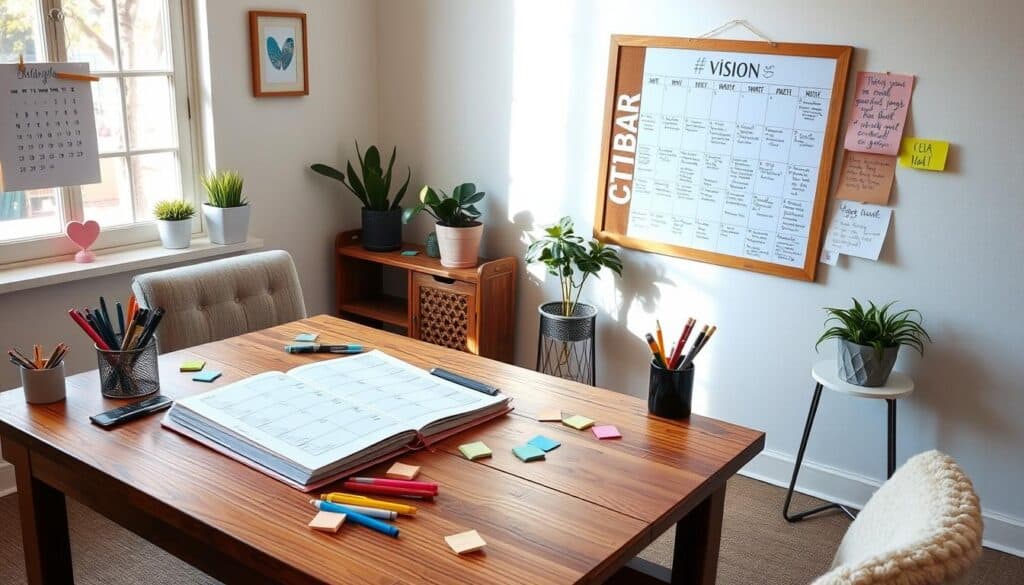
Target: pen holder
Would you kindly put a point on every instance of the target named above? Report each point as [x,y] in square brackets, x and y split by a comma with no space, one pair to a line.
[671,392]
[43,386]
[130,373]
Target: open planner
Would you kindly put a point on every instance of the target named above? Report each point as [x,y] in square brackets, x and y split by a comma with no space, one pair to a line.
[328,419]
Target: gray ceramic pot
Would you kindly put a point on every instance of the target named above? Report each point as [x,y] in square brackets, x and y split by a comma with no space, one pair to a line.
[861,365]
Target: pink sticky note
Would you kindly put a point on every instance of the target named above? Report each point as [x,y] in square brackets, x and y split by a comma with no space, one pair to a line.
[606,432]
[880,105]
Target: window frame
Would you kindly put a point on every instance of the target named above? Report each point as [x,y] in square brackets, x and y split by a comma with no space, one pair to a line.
[180,23]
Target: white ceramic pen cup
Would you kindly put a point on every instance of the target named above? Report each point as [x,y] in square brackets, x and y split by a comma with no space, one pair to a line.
[43,386]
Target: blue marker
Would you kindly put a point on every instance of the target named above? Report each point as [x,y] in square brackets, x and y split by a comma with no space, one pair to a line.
[356,517]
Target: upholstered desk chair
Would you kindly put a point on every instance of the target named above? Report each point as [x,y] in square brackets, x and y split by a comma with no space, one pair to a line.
[922,527]
[222,298]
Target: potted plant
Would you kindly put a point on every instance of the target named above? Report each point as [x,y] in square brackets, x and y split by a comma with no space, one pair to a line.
[459,230]
[869,339]
[566,343]
[381,216]
[174,222]
[226,211]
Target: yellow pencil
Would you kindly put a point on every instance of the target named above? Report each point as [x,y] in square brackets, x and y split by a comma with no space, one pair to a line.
[355,500]
[661,337]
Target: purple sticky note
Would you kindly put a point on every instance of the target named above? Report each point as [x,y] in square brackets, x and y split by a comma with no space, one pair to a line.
[606,432]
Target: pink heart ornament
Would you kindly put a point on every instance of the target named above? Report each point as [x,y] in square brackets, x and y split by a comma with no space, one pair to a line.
[83,234]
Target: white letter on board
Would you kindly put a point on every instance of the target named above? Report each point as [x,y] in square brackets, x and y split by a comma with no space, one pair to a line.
[627,103]
[626,142]
[617,199]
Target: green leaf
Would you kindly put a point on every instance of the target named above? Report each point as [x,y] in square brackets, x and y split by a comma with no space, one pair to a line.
[356,186]
[445,211]
[429,196]
[410,212]
[473,198]
[372,161]
[328,171]
[400,194]
[376,194]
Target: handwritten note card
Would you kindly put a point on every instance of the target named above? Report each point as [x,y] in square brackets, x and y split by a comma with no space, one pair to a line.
[866,177]
[929,155]
[47,128]
[858,229]
[880,103]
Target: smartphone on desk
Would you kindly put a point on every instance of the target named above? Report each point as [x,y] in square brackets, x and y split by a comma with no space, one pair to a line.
[123,414]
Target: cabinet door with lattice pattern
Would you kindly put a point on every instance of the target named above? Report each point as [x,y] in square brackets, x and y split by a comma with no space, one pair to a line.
[443,312]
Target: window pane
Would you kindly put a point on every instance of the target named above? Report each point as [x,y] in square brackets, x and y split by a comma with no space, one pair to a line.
[89,26]
[109,202]
[157,177]
[27,214]
[20,32]
[106,100]
[150,112]
[143,30]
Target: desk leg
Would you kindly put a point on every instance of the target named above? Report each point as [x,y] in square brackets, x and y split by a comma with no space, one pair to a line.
[698,536]
[891,460]
[44,523]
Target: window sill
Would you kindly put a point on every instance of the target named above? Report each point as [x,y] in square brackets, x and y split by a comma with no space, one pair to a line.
[28,275]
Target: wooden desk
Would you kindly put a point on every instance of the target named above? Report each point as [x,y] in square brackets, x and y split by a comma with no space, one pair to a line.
[580,516]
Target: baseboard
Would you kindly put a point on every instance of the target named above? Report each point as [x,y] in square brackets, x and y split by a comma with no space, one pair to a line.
[7,485]
[1002,532]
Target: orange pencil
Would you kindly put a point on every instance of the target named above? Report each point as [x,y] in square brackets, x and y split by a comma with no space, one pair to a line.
[75,76]
[37,356]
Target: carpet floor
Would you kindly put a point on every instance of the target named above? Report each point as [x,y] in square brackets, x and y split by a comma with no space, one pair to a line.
[758,546]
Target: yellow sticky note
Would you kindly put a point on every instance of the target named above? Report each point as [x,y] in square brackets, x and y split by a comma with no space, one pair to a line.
[919,153]
[578,422]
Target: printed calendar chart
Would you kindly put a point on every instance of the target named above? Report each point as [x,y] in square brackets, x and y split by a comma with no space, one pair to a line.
[728,150]
[47,128]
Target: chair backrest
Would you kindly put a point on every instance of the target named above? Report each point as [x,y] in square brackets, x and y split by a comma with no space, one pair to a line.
[923,526]
[222,298]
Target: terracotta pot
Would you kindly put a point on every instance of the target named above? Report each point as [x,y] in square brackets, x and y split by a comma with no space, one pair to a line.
[460,247]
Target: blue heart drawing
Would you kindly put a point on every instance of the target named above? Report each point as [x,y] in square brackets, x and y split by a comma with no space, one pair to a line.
[280,57]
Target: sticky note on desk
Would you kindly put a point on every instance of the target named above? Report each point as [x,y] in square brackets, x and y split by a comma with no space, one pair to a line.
[192,366]
[528,453]
[409,252]
[465,542]
[208,376]
[327,521]
[606,432]
[306,337]
[549,415]
[928,155]
[578,422]
[403,471]
[474,451]
[543,443]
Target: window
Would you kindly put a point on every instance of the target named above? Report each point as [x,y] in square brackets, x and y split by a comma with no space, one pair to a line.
[144,134]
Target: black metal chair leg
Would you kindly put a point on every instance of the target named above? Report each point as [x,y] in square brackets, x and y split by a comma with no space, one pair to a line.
[892,436]
[799,461]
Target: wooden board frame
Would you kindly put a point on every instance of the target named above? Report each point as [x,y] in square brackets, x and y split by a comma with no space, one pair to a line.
[616,235]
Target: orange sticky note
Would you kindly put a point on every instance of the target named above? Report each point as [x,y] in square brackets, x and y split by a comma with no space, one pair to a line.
[549,415]
[866,178]
[327,521]
[403,471]
[465,542]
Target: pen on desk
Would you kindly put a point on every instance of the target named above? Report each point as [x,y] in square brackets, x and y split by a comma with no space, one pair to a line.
[693,350]
[357,518]
[366,511]
[464,381]
[344,348]
[398,483]
[385,490]
[677,353]
[81,322]
[707,338]
[120,317]
[357,500]
[151,325]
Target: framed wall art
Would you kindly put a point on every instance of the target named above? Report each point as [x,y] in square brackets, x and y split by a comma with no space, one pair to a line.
[279,58]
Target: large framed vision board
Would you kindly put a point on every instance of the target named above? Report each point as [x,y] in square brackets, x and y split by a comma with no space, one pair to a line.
[720,151]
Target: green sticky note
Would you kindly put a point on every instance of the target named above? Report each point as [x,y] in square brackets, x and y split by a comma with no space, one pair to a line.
[208,376]
[528,453]
[306,337]
[192,365]
[580,423]
[474,451]
[409,252]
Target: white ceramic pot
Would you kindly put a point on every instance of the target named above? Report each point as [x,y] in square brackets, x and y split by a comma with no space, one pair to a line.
[227,225]
[460,247]
[175,235]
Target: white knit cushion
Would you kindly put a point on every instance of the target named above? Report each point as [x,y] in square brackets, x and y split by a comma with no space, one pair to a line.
[922,527]
[222,298]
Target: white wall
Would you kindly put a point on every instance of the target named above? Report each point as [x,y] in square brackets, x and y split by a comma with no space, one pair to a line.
[510,95]
[271,141]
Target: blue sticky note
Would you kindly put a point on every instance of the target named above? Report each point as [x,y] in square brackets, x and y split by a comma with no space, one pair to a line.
[207,376]
[543,443]
[306,337]
[409,252]
[528,453]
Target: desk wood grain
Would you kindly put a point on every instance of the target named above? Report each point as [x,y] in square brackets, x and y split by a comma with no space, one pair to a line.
[578,517]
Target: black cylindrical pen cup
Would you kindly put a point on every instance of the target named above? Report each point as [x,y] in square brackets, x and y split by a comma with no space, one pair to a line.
[129,374]
[671,391]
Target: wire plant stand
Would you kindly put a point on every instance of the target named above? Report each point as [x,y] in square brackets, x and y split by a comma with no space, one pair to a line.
[566,343]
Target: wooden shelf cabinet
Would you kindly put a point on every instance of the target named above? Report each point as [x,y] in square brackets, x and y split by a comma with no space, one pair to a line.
[470,309]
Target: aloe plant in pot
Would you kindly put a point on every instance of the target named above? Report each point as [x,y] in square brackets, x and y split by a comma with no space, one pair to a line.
[565,346]
[869,339]
[381,214]
[459,230]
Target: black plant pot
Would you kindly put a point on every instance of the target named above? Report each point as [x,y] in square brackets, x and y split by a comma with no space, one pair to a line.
[382,230]
[566,344]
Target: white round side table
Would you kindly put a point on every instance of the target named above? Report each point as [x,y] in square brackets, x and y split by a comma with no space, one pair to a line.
[825,374]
